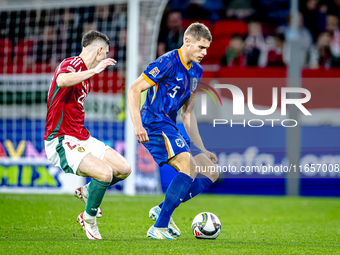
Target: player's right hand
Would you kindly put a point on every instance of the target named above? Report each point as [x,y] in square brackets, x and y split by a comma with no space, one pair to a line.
[141,134]
[103,64]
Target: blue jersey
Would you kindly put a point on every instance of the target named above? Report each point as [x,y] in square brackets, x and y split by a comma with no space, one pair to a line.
[173,83]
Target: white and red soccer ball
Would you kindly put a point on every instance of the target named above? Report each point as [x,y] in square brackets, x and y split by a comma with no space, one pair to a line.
[206,225]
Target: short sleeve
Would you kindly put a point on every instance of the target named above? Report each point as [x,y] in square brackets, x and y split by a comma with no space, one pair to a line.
[70,65]
[158,70]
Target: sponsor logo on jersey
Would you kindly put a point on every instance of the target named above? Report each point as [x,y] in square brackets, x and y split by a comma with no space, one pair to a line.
[154,72]
[71,69]
[180,143]
[81,149]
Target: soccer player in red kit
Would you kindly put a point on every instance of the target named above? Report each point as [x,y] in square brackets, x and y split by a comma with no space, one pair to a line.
[68,143]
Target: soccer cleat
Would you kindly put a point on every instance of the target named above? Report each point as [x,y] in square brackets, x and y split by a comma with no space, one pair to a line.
[82,194]
[159,233]
[90,228]
[173,229]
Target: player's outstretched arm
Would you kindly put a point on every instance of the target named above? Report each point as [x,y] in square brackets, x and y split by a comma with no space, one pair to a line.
[190,125]
[134,95]
[69,79]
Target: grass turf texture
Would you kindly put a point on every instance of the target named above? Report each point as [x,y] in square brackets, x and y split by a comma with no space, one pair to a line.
[34,224]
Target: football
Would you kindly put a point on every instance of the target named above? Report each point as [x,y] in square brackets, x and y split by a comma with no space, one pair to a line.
[206,225]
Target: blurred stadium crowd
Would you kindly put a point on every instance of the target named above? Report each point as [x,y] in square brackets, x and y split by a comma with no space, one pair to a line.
[255,32]
[245,33]
[38,40]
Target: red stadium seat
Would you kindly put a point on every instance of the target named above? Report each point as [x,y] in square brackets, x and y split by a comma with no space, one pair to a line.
[252,72]
[216,51]
[6,47]
[42,68]
[7,68]
[226,28]
[22,51]
[6,51]
[24,46]
[107,82]
[209,74]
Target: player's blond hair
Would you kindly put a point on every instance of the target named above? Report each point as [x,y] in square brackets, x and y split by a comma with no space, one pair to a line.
[198,31]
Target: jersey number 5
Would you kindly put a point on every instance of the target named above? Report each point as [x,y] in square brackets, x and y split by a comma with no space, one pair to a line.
[175,91]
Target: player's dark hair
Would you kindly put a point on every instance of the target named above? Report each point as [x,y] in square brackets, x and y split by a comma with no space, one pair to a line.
[198,31]
[92,36]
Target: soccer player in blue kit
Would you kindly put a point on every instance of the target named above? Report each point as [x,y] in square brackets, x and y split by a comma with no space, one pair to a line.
[171,82]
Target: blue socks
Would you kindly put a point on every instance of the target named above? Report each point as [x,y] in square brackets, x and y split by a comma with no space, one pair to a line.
[200,183]
[175,194]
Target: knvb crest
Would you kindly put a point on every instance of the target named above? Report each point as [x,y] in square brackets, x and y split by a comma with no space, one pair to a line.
[179,143]
[194,84]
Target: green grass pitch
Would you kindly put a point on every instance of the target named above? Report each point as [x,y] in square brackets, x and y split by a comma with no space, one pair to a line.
[46,224]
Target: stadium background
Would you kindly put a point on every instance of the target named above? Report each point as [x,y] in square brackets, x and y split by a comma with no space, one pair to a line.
[249,42]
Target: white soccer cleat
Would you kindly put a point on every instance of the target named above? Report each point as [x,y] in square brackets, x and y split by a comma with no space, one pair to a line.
[90,228]
[159,233]
[82,194]
[173,229]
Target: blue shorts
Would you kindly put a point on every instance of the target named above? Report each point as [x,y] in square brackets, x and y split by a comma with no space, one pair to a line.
[165,142]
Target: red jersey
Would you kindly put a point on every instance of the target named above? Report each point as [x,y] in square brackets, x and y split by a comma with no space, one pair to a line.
[65,110]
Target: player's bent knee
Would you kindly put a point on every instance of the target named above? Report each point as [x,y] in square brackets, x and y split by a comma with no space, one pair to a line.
[106,174]
[123,171]
[214,175]
[126,171]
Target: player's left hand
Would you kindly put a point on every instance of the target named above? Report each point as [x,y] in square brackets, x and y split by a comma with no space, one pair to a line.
[211,156]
